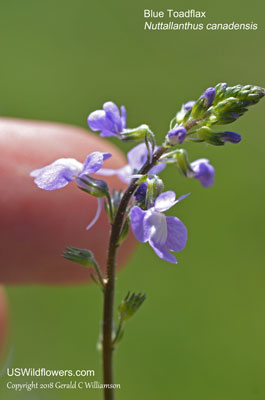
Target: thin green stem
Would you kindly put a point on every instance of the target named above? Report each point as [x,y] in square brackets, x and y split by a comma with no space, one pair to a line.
[110,279]
[118,332]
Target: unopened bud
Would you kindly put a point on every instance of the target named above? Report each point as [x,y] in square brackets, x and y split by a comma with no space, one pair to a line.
[220,91]
[209,95]
[176,135]
[95,187]
[182,162]
[138,133]
[154,188]
[232,137]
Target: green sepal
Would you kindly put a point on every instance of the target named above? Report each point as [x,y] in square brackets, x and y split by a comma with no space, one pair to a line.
[155,187]
[183,163]
[130,304]
[93,186]
[199,108]
[137,134]
[80,256]
[86,258]
[187,116]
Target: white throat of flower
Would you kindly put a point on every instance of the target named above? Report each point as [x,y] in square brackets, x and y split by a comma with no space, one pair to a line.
[159,227]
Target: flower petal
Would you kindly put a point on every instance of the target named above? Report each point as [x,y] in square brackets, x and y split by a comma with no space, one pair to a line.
[157,169]
[162,252]
[107,172]
[124,173]
[176,234]
[165,201]
[203,171]
[106,133]
[98,212]
[58,174]
[137,223]
[113,114]
[98,121]
[123,117]
[106,156]
[155,226]
[137,156]
[93,163]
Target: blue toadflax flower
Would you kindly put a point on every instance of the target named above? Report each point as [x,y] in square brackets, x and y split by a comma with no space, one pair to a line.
[188,105]
[203,171]
[64,170]
[232,137]
[209,95]
[163,233]
[110,121]
[176,135]
[137,156]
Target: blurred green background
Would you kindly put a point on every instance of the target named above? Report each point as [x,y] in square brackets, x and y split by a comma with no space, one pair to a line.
[201,333]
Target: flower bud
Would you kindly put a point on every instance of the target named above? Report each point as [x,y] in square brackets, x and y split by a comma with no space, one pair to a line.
[187,106]
[251,94]
[95,187]
[220,91]
[225,118]
[203,103]
[141,192]
[176,135]
[138,133]
[232,137]
[218,138]
[208,135]
[198,110]
[209,95]
[154,188]
[80,256]
[182,162]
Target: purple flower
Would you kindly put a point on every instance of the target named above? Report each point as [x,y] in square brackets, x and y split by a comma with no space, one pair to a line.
[187,106]
[163,233]
[64,170]
[209,95]
[203,171]
[232,137]
[110,121]
[141,192]
[176,135]
[137,156]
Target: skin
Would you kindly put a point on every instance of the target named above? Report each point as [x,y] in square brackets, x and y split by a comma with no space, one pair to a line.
[3,323]
[36,225]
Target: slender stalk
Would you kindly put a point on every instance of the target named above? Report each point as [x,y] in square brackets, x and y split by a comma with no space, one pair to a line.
[110,279]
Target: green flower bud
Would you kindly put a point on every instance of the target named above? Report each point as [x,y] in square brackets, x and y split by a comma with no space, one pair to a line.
[81,256]
[183,164]
[95,187]
[138,133]
[154,188]
[220,90]
[199,108]
[208,135]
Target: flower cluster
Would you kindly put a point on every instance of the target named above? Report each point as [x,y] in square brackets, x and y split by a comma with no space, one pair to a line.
[195,122]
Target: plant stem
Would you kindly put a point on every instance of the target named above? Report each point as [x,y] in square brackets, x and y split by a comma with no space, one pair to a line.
[110,280]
